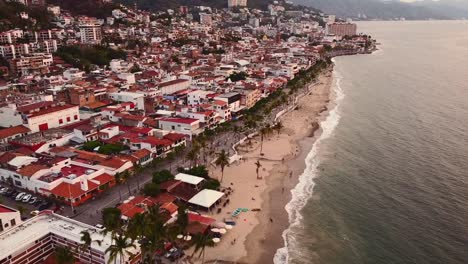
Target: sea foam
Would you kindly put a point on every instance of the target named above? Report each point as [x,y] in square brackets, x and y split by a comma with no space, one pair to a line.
[303,190]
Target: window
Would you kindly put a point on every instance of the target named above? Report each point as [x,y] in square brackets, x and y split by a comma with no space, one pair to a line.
[13,222]
[75,117]
[60,121]
[68,119]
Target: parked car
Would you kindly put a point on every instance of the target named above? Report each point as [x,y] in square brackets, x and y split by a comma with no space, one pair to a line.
[38,202]
[170,252]
[35,212]
[33,200]
[4,190]
[177,254]
[9,192]
[20,196]
[26,198]
[99,226]
[44,206]
[13,194]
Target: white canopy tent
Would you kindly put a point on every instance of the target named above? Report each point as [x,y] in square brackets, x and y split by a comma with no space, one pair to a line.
[206,198]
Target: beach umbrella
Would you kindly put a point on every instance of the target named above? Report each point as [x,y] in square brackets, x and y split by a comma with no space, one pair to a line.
[220,225]
[222,231]
[228,227]
[216,240]
[180,236]
[215,230]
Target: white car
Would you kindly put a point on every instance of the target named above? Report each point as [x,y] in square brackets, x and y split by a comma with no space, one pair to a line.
[20,196]
[33,200]
[3,190]
[26,198]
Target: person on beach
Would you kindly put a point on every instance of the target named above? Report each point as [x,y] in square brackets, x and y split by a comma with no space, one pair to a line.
[271,220]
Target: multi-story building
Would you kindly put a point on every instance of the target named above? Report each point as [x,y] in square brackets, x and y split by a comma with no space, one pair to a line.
[206,19]
[37,63]
[34,240]
[90,33]
[82,97]
[51,117]
[9,218]
[342,29]
[234,3]
[10,36]
[137,99]
[174,86]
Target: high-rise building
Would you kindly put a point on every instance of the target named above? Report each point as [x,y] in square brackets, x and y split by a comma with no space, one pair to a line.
[35,240]
[206,19]
[342,29]
[234,3]
[90,33]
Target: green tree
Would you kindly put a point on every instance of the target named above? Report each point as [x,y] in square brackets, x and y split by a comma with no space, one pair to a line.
[201,241]
[86,242]
[112,219]
[171,157]
[151,189]
[63,255]
[258,165]
[222,160]
[119,248]
[162,176]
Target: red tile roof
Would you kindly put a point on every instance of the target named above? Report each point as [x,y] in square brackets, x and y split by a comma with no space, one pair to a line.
[29,107]
[29,170]
[68,190]
[4,209]
[164,84]
[180,120]
[139,154]
[174,136]
[193,217]
[103,178]
[11,131]
[52,110]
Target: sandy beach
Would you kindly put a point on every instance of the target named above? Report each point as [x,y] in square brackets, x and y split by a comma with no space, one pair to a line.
[257,235]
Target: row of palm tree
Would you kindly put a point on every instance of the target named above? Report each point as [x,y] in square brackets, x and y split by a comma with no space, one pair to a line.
[148,230]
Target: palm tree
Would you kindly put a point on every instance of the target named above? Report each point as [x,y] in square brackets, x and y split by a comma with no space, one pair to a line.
[138,169]
[201,241]
[263,133]
[86,242]
[125,177]
[222,160]
[64,256]
[258,167]
[21,210]
[278,127]
[112,221]
[171,157]
[118,249]
[192,155]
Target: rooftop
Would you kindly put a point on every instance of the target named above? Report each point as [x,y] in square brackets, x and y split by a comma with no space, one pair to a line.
[206,198]
[187,178]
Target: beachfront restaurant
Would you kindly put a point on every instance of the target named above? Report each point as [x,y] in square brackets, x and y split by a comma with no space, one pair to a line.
[206,199]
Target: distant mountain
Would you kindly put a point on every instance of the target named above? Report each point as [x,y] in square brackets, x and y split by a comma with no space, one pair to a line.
[162,5]
[378,9]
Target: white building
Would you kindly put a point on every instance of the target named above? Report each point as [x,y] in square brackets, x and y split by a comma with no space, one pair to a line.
[90,33]
[136,98]
[173,86]
[9,218]
[35,239]
[197,97]
[52,117]
[73,74]
[234,3]
[186,126]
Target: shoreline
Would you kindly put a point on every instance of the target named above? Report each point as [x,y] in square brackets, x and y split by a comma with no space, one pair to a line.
[276,204]
[258,235]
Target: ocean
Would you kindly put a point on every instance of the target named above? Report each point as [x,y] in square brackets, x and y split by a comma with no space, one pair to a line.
[387,181]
